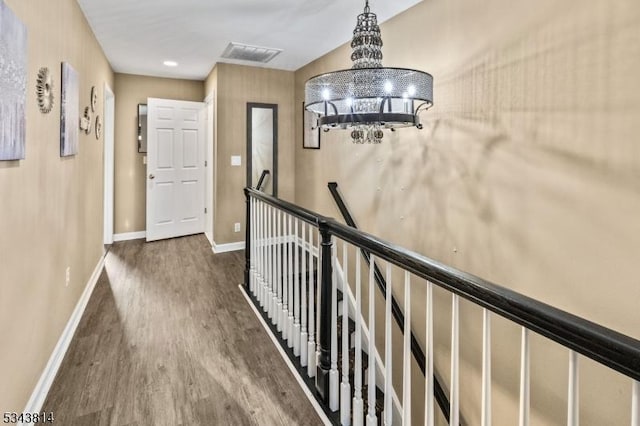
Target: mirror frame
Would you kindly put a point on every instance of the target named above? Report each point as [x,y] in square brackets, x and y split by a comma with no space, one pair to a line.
[139,138]
[274,172]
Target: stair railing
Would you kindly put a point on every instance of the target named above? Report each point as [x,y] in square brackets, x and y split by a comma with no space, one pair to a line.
[261,181]
[398,316]
[274,238]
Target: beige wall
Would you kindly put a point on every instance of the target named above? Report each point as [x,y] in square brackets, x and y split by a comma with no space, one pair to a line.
[51,213]
[235,85]
[526,174]
[130,171]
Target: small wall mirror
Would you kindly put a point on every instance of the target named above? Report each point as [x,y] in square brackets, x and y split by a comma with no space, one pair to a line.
[262,146]
[142,127]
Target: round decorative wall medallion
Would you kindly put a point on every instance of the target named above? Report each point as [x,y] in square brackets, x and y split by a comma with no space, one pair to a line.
[94,98]
[98,127]
[44,89]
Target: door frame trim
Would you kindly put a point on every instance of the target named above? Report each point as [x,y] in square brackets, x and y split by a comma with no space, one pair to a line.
[109,164]
[210,156]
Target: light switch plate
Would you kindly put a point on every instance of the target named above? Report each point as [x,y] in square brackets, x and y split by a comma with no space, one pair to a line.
[236,160]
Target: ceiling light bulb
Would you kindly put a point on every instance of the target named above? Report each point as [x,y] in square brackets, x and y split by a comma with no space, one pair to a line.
[170,63]
[326,94]
[349,102]
[388,87]
[412,90]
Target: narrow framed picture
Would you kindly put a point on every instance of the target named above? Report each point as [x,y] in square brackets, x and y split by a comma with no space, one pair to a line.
[13,85]
[310,130]
[69,111]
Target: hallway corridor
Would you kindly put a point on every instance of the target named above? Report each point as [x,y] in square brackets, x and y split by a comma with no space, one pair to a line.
[168,339]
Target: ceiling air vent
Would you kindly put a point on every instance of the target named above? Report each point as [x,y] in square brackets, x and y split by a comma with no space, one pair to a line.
[244,52]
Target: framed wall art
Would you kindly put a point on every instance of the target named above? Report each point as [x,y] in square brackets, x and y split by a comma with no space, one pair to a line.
[44,90]
[13,85]
[310,130]
[69,111]
[94,98]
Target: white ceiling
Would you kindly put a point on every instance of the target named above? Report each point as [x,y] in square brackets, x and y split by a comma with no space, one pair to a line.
[138,35]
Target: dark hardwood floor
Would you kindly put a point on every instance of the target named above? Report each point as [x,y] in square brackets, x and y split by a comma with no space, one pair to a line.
[168,339]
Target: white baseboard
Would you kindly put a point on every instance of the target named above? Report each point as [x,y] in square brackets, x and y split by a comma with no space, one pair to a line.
[129,236]
[223,248]
[209,236]
[34,405]
[305,389]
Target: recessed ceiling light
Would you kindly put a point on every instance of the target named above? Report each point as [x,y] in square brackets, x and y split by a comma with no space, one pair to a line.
[170,63]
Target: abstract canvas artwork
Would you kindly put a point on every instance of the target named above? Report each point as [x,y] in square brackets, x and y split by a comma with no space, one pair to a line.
[69,111]
[13,85]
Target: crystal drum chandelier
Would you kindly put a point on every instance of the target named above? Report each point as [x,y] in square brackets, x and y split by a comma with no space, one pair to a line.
[368,98]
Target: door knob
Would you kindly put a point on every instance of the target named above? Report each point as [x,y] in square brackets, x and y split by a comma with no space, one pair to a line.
[152,176]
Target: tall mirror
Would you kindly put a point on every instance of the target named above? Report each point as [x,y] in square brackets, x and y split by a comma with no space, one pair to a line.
[142,128]
[262,146]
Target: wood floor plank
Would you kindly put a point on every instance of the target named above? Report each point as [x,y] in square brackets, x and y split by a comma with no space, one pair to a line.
[168,339]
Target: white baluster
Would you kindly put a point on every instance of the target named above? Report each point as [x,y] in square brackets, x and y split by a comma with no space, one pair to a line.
[255,226]
[254,245]
[274,267]
[318,296]
[454,416]
[284,316]
[635,404]
[388,383]
[304,336]
[279,277]
[524,379]
[270,262]
[358,404]
[265,263]
[263,251]
[372,419]
[573,411]
[428,394]
[261,254]
[251,243]
[285,279]
[334,379]
[486,368]
[311,345]
[287,284]
[292,277]
[295,292]
[406,362]
[286,276]
[345,389]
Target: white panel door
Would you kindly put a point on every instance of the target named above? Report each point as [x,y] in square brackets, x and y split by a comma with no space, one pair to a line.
[175,168]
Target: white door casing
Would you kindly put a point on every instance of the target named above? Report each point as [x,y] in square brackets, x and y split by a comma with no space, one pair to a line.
[209,150]
[175,168]
[108,134]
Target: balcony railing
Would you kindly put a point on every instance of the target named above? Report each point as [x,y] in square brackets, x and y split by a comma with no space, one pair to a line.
[293,274]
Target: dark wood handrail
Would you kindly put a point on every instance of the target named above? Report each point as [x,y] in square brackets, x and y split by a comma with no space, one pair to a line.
[264,174]
[606,346]
[438,392]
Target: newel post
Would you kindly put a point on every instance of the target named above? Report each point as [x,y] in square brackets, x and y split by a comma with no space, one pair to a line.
[247,246]
[324,326]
